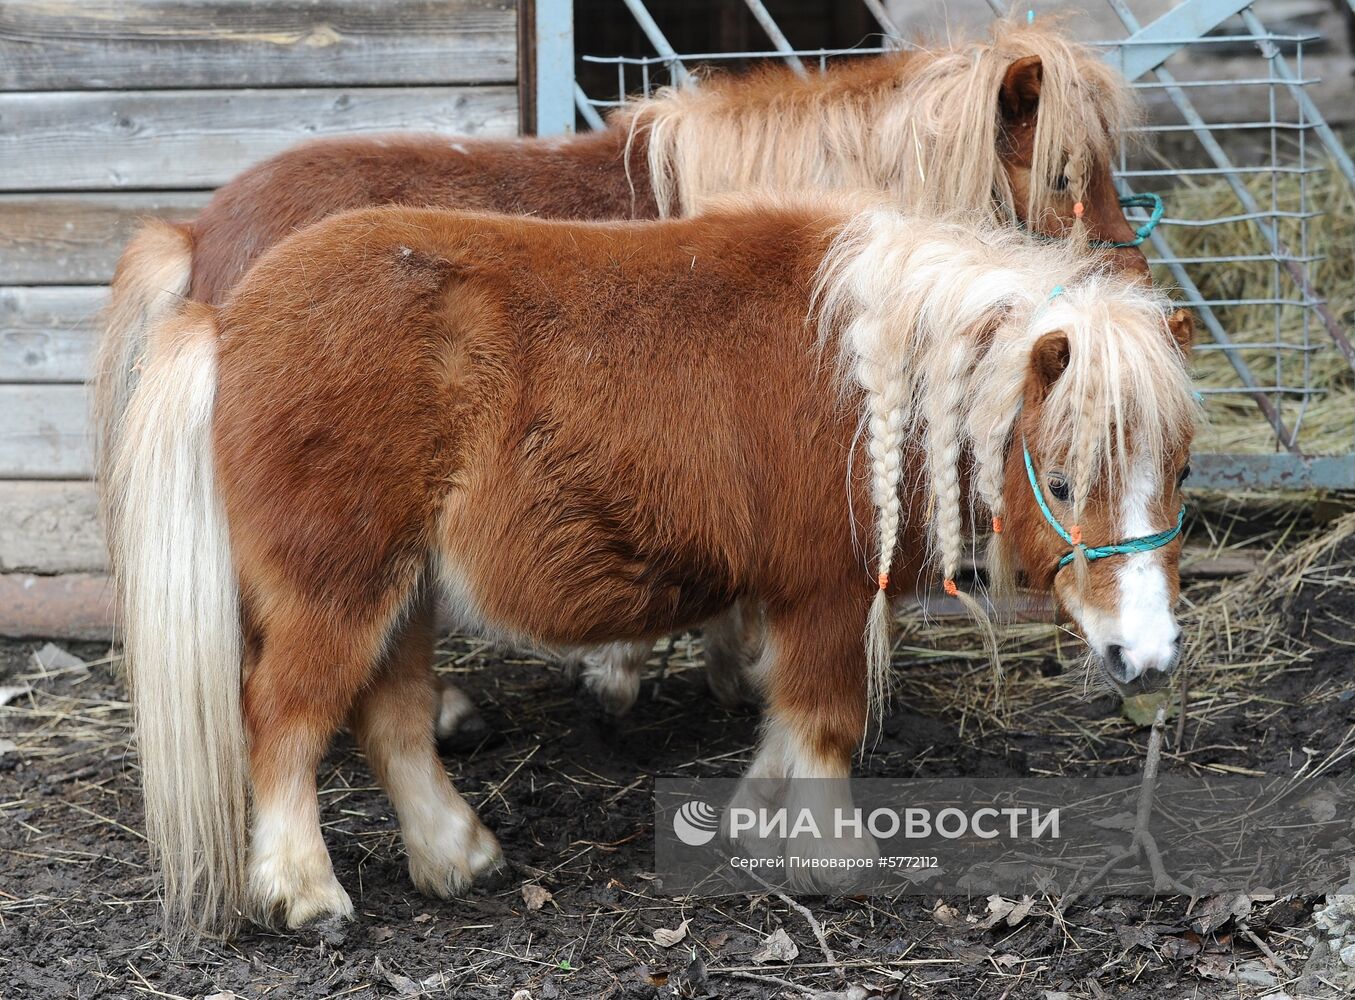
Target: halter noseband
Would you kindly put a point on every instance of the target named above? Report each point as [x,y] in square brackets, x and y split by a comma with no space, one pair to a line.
[1147,200]
[1128,547]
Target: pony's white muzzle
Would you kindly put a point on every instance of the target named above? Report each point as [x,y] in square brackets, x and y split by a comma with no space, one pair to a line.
[1142,664]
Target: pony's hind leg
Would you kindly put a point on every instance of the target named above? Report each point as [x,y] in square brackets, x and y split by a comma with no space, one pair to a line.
[458,723]
[733,646]
[814,671]
[393,721]
[611,674]
[306,670]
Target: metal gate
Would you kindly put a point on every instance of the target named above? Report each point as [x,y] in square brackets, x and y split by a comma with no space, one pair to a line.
[1275,362]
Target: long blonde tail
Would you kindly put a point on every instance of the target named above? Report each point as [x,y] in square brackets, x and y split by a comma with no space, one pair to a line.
[149,285]
[182,634]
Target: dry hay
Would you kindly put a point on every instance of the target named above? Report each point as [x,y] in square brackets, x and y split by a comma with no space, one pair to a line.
[1235,423]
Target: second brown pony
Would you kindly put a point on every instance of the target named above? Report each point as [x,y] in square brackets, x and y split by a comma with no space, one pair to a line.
[1021,127]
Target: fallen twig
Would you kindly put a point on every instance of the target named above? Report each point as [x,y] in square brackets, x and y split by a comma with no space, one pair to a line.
[1141,842]
[814,925]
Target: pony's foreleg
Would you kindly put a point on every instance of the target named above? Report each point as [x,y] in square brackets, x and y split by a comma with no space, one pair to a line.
[392,720]
[310,668]
[733,645]
[814,666]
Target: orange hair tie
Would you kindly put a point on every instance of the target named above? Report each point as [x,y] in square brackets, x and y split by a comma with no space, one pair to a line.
[1078,209]
[884,580]
[1076,533]
[997,525]
[950,588]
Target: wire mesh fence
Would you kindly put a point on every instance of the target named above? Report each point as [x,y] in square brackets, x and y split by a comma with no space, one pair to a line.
[1256,235]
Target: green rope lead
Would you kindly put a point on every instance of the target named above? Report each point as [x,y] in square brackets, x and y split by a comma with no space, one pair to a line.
[1146,200]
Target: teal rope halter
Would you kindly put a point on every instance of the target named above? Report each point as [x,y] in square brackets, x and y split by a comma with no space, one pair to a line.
[1128,547]
[1148,200]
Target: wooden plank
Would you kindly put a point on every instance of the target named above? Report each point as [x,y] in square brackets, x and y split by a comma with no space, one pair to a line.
[201,138]
[50,528]
[70,606]
[97,44]
[44,432]
[48,334]
[73,606]
[73,239]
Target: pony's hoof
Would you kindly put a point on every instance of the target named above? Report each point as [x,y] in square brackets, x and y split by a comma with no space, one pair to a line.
[459,723]
[614,690]
[446,866]
[832,865]
[276,902]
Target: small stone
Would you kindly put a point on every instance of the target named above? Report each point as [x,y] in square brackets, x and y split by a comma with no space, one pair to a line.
[1348,955]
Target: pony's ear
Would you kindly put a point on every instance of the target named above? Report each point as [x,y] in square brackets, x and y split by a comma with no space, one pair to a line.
[1181,323]
[1049,360]
[1019,97]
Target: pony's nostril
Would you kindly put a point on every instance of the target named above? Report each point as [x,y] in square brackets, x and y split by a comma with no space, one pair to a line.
[1115,662]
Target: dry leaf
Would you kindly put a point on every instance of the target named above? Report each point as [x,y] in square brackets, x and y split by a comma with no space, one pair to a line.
[1141,709]
[1134,936]
[7,747]
[522,995]
[1216,911]
[1020,911]
[998,908]
[51,658]
[402,985]
[777,947]
[1179,947]
[535,896]
[654,977]
[946,916]
[423,918]
[666,938]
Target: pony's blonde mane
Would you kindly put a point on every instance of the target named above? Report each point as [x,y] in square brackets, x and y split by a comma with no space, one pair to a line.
[922,126]
[936,321]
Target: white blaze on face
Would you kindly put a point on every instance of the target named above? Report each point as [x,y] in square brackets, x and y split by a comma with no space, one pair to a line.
[1139,635]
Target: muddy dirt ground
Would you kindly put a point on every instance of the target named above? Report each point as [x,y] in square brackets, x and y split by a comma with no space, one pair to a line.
[568,791]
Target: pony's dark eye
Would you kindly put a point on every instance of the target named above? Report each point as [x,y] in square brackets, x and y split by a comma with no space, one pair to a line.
[1058,487]
[1061,183]
[1185,474]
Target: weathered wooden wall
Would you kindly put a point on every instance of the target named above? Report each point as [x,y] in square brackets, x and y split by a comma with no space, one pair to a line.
[115,110]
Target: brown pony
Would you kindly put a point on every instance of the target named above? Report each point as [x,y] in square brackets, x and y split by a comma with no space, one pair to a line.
[582,433]
[1021,126]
